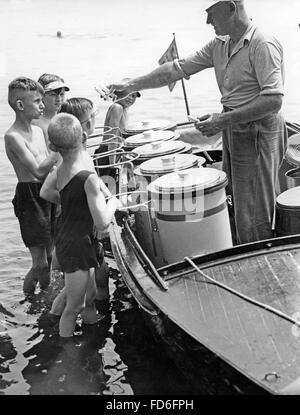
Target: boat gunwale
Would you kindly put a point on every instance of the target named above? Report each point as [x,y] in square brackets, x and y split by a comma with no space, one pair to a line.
[236,253]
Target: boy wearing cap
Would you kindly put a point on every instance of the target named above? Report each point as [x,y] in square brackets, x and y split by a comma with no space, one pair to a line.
[55,88]
[83,209]
[25,148]
[249,71]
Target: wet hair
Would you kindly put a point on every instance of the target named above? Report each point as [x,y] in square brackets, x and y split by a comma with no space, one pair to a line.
[19,85]
[47,78]
[77,107]
[65,132]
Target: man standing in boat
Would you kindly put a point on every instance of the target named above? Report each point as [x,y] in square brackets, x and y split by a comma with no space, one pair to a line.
[249,71]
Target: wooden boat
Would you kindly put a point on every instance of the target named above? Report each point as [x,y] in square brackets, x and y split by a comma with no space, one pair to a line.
[229,319]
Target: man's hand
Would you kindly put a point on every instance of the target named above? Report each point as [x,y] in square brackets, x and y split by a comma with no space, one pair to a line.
[211,124]
[104,92]
[114,92]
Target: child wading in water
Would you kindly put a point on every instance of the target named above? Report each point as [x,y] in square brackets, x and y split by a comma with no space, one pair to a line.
[54,95]
[26,149]
[83,110]
[83,210]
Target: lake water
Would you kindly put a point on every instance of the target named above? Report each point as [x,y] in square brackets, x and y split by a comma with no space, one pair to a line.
[104,41]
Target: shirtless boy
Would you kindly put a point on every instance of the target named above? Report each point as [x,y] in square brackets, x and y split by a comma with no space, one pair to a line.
[26,149]
[84,210]
[115,122]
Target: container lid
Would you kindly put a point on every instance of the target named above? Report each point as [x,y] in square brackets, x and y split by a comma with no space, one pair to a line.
[185,180]
[150,136]
[292,153]
[169,163]
[159,148]
[290,198]
[149,124]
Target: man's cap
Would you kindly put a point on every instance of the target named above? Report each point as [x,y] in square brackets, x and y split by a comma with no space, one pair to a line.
[56,85]
[210,3]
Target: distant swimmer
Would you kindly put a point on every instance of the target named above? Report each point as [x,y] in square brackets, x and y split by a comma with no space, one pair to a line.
[58,34]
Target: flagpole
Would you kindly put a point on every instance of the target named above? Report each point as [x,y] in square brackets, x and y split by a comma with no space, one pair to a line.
[182,83]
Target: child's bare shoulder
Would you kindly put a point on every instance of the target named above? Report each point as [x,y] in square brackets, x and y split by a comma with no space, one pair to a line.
[12,136]
[92,182]
[117,108]
[93,178]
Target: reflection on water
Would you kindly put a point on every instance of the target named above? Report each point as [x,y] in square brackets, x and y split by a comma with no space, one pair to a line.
[115,356]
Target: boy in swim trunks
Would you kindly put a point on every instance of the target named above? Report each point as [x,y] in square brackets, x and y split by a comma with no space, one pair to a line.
[26,149]
[83,210]
[83,110]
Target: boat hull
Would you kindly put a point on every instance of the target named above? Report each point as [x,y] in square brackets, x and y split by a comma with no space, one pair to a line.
[228,320]
[221,343]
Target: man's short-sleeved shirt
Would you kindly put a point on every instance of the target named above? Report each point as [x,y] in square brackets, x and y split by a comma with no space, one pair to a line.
[255,66]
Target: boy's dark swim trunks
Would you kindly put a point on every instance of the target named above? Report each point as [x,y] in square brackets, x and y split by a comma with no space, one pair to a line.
[33,213]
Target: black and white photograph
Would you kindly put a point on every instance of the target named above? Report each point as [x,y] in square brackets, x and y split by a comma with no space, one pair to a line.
[150,200]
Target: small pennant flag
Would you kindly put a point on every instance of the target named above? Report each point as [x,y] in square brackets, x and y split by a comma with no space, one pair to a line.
[169,55]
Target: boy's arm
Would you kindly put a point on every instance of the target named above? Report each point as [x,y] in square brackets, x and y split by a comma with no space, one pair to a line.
[104,189]
[115,116]
[102,212]
[49,190]
[15,144]
[114,122]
